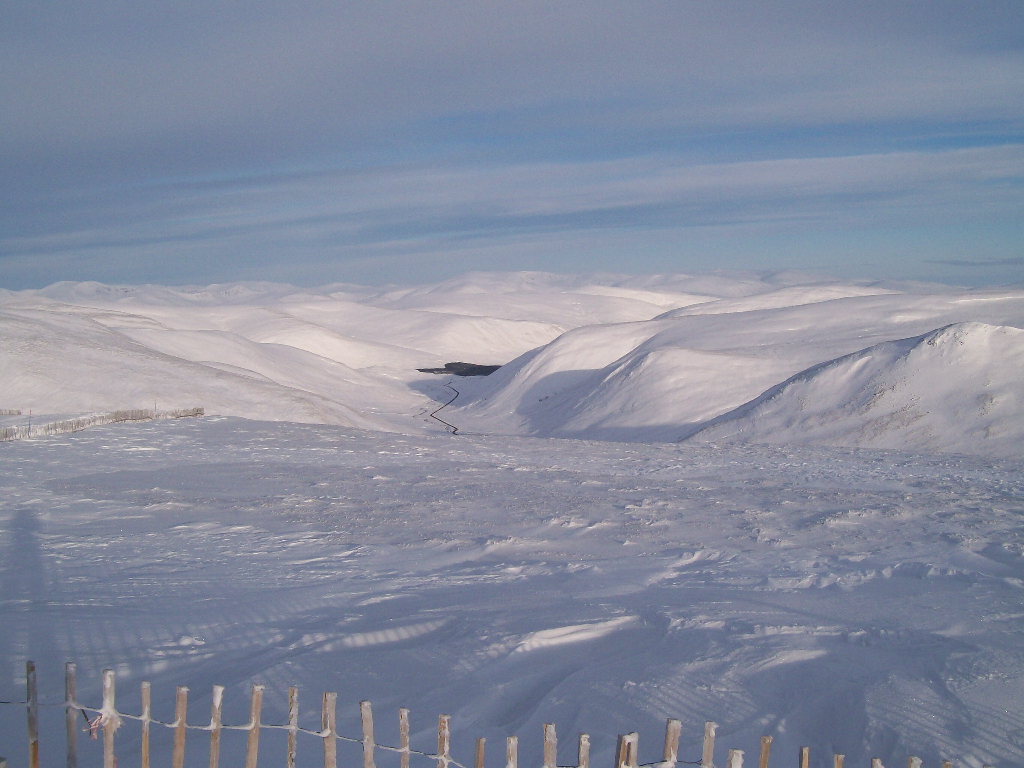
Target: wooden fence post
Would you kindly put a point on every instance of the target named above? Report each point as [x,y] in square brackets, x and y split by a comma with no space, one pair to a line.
[144,739]
[327,728]
[32,713]
[583,752]
[444,737]
[837,761]
[70,715]
[735,758]
[366,720]
[511,751]
[403,737]
[478,754]
[706,759]
[180,711]
[293,725]
[632,740]
[805,756]
[762,758]
[550,746]
[252,742]
[671,752]
[110,721]
[625,751]
[216,709]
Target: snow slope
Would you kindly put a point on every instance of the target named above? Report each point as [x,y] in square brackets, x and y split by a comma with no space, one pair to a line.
[74,364]
[960,389]
[664,378]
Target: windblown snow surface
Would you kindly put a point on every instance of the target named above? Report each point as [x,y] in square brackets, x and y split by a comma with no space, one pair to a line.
[834,554]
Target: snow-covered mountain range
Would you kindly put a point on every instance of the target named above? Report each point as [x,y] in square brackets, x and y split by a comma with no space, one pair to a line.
[781,357]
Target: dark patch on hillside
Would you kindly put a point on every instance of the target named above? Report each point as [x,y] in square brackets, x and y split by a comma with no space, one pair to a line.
[462,369]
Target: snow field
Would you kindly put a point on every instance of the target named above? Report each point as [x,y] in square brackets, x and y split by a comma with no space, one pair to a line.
[861,601]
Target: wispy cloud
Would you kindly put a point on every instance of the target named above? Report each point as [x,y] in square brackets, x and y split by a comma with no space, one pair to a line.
[132,78]
[423,128]
[1011,262]
[329,218]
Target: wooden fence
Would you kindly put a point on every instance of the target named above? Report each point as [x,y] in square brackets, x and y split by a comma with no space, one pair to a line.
[107,719]
[83,422]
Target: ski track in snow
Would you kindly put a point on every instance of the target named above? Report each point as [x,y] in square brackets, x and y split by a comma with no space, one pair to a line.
[862,601]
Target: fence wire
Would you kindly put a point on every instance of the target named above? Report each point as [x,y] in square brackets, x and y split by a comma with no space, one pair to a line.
[105,716]
[77,425]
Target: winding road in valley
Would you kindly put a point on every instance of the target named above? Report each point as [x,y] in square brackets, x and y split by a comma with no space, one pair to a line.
[433,414]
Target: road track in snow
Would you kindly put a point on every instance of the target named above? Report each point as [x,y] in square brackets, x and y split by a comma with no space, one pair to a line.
[434,416]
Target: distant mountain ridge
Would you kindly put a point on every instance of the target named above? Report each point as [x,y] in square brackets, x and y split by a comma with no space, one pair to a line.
[607,357]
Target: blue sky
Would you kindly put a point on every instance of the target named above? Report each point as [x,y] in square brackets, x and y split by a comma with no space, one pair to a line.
[184,142]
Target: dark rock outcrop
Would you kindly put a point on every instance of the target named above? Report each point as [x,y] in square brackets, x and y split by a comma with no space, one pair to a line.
[462,369]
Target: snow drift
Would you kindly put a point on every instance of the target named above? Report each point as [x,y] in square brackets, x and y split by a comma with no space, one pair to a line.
[957,389]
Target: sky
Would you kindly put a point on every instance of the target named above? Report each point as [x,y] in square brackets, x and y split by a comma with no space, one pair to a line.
[396,142]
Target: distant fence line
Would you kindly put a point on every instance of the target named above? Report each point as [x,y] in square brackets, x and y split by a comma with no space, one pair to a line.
[108,719]
[83,422]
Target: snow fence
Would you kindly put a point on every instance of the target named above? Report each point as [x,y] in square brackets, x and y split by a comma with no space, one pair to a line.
[83,422]
[107,719]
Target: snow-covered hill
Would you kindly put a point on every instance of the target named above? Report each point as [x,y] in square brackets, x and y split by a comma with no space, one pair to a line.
[645,358]
[665,378]
[959,388]
[342,354]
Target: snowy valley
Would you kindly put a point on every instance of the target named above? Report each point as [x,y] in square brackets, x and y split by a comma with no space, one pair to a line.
[656,358]
[788,504]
